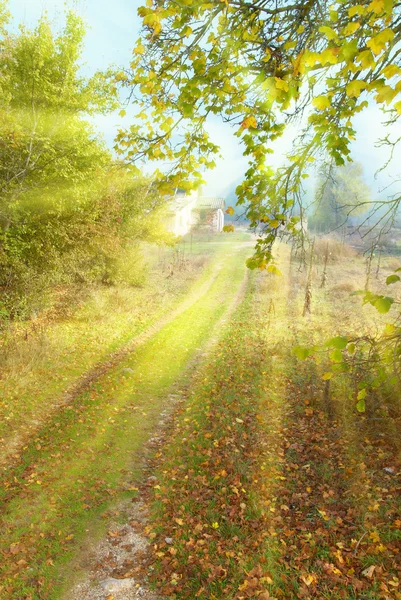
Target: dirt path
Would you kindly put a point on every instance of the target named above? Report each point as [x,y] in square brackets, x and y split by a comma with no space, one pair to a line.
[114,566]
[89,453]
[12,446]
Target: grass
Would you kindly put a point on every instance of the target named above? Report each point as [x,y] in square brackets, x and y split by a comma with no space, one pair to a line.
[270,495]
[37,371]
[85,456]
[264,492]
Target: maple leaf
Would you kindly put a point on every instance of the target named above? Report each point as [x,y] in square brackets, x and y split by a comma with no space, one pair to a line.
[328,32]
[249,122]
[281,84]
[377,6]
[321,102]
[354,88]
[378,43]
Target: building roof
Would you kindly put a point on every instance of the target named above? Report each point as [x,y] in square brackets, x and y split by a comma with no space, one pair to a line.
[211,203]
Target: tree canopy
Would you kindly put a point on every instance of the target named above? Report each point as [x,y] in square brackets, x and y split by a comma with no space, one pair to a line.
[260,64]
[68,211]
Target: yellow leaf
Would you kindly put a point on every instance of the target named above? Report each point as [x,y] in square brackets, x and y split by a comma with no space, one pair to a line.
[397,107]
[281,84]
[377,6]
[311,58]
[321,102]
[327,375]
[267,56]
[356,10]
[249,122]
[289,45]
[385,94]
[299,64]
[153,21]
[329,56]
[139,49]
[366,59]
[351,28]
[309,579]
[378,43]
[391,70]
[374,536]
[328,32]
[354,88]
[274,270]
[230,211]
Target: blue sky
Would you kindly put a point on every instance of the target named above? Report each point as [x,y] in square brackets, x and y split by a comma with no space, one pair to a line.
[113,28]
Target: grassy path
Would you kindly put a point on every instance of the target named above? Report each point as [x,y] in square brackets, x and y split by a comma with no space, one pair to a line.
[262,491]
[59,359]
[85,456]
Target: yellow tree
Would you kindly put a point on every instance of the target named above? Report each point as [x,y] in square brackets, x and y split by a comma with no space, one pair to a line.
[259,64]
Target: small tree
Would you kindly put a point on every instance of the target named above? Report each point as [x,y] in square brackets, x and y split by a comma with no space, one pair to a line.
[308,289]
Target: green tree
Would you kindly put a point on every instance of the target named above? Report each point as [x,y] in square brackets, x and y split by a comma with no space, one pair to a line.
[67,211]
[259,65]
[341,193]
[45,143]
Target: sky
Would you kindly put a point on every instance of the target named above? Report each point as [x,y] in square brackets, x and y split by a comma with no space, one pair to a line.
[113,28]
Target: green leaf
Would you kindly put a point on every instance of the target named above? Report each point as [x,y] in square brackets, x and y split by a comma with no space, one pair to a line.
[392,279]
[301,352]
[338,342]
[361,394]
[327,375]
[336,356]
[383,304]
[361,407]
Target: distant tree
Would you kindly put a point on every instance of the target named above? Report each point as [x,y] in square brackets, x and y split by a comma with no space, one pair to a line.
[341,193]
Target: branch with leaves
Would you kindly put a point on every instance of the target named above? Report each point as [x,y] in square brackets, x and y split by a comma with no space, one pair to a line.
[259,65]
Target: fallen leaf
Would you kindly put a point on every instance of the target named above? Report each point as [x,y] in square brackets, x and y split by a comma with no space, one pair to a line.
[368,573]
